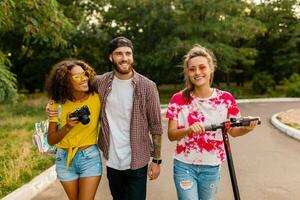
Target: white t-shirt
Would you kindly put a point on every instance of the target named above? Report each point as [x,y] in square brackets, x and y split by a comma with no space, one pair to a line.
[118,109]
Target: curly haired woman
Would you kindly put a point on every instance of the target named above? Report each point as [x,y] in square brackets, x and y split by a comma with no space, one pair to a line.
[78,159]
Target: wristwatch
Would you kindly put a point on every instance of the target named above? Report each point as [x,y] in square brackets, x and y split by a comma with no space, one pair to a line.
[157,161]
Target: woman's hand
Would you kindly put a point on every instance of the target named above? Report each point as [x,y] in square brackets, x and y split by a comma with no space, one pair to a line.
[175,133]
[197,127]
[55,136]
[242,130]
[251,125]
[71,121]
[51,112]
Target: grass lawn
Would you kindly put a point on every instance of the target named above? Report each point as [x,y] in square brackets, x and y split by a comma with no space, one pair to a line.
[19,160]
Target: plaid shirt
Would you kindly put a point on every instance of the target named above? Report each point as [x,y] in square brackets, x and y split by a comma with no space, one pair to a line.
[145,117]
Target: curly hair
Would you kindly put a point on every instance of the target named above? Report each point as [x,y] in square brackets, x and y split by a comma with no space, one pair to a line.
[197,50]
[58,85]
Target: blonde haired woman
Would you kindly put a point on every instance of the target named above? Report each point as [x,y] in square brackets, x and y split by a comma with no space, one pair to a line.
[199,153]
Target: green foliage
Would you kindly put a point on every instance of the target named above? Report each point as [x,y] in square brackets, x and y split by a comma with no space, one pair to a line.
[34,34]
[292,85]
[223,26]
[42,22]
[149,24]
[246,38]
[164,31]
[8,87]
[19,160]
[6,6]
[279,47]
[263,83]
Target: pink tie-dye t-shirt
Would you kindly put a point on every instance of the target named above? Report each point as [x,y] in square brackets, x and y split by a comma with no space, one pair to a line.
[205,148]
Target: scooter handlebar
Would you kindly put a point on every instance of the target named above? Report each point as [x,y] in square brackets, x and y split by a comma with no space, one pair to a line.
[233,123]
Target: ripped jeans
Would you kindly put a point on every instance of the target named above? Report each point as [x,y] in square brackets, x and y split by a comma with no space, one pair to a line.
[196,182]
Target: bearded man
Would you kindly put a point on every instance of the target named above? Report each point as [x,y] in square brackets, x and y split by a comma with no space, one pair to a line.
[130,113]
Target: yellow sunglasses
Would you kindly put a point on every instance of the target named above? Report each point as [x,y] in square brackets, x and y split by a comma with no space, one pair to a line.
[79,77]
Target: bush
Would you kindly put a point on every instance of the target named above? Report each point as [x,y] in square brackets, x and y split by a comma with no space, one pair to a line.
[8,81]
[263,83]
[237,93]
[292,85]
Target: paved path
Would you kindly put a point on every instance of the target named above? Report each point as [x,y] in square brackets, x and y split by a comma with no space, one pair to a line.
[267,164]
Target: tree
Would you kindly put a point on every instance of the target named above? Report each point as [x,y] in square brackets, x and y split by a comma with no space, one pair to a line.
[8,88]
[279,47]
[148,24]
[246,38]
[292,85]
[35,37]
[225,27]
[164,30]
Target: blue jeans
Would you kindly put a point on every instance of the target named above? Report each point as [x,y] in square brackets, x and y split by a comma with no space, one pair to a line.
[86,163]
[196,182]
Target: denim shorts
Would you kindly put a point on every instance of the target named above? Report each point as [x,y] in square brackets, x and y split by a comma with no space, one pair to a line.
[196,182]
[86,163]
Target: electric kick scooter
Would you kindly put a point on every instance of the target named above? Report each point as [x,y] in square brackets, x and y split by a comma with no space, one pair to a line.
[225,126]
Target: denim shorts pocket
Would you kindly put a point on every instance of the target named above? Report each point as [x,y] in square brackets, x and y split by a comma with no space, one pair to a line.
[60,154]
[94,153]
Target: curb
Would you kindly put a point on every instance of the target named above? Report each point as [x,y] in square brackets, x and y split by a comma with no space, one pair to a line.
[35,186]
[292,132]
[45,179]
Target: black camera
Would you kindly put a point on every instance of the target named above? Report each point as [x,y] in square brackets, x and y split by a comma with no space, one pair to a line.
[82,114]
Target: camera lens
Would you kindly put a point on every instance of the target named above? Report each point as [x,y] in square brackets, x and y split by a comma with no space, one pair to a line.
[85,119]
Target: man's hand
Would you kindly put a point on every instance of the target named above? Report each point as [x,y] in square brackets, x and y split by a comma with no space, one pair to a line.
[153,171]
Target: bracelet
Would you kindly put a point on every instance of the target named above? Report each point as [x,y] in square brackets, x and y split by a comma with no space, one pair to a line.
[157,161]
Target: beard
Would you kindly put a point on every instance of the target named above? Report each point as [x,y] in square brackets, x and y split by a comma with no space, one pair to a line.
[120,69]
